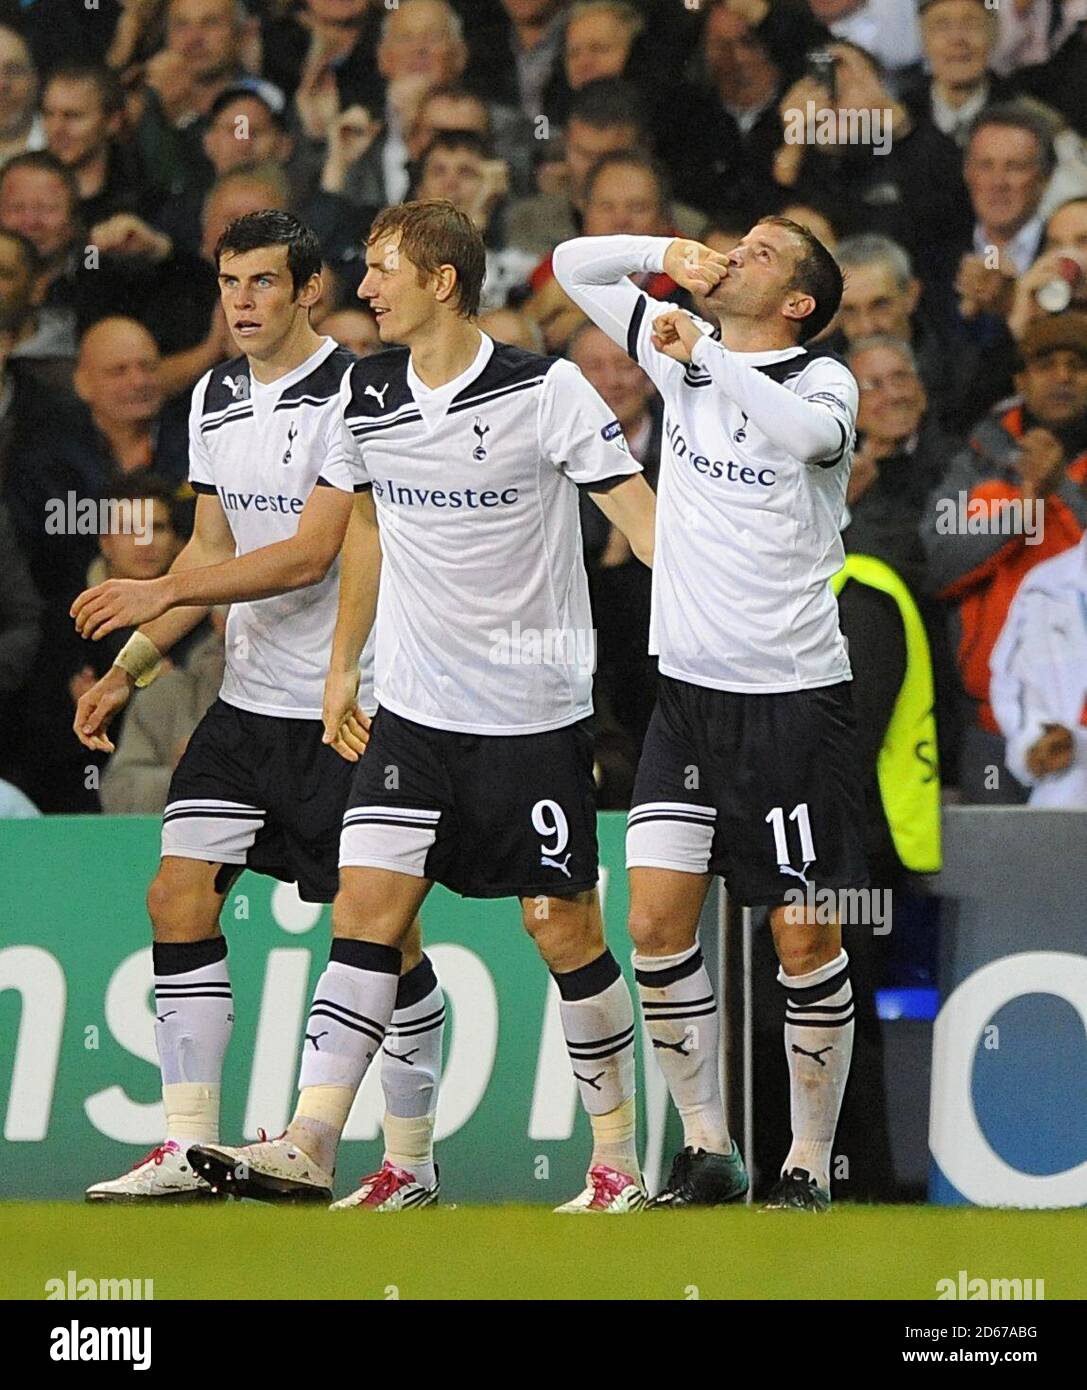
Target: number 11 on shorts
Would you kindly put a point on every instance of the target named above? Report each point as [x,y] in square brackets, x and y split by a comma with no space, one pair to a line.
[799,814]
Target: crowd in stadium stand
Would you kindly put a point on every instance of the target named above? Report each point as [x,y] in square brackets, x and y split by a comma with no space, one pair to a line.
[955,198]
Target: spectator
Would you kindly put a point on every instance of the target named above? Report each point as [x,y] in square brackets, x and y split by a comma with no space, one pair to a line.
[202,56]
[456,167]
[325,47]
[600,37]
[158,725]
[900,457]
[1067,226]
[502,128]
[721,154]
[139,540]
[619,585]
[245,129]
[355,329]
[83,113]
[21,126]
[40,342]
[606,117]
[1039,681]
[624,193]
[856,149]
[1009,160]
[519,58]
[512,327]
[422,48]
[959,37]
[982,537]
[39,198]
[118,428]
[963,378]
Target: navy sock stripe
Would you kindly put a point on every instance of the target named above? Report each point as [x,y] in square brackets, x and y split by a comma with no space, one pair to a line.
[672,974]
[416,984]
[365,955]
[813,993]
[345,1023]
[677,1003]
[588,980]
[179,957]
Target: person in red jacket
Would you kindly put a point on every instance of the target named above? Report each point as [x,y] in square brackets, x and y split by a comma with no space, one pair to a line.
[1015,496]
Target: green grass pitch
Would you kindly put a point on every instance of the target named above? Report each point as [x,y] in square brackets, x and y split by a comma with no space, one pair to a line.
[243,1250]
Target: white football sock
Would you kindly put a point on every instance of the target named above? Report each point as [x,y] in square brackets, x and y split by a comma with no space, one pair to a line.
[818,1048]
[411,1064]
[681,1017]
[598,1022]
[194,1017]
[351,1009]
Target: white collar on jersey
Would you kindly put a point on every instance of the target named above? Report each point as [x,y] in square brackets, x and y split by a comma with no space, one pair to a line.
[276,388]
[764,358]
[440,396]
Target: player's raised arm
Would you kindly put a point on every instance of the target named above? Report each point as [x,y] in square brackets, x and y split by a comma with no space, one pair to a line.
[815,424]
[346,727]
[594,272]
[139,659]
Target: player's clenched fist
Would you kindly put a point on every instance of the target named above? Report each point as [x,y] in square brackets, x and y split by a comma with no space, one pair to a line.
[96,709]
[675,334]
[119,603]
[347,727]
[695,267]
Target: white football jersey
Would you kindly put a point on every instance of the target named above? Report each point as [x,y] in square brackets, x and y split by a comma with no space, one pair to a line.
[748,535]
[483,621]
[261,449]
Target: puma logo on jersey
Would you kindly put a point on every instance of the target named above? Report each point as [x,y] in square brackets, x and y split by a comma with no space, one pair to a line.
[378,396]
[292,434]
[239,388]
[545,862]
[801,874]
[815,1056]
[481,431]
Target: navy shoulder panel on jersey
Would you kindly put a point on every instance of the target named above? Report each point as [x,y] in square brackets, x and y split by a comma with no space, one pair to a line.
[322,383]
[509,369]
[227,385]
[793,366]
[379,385]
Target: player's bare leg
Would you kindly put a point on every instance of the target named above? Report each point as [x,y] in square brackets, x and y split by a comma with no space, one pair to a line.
[352,1007]
[818,1047]
[681,1016]
[598,1023]
[194,1014]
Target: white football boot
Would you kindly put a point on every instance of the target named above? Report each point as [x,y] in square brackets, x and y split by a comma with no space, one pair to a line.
[390,1189]
[164,1176]
[271,1170]
[609,1192]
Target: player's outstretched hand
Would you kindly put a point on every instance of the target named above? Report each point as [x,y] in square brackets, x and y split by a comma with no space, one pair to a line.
[118,603]
[347,728]
[96,709]
[675,334]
